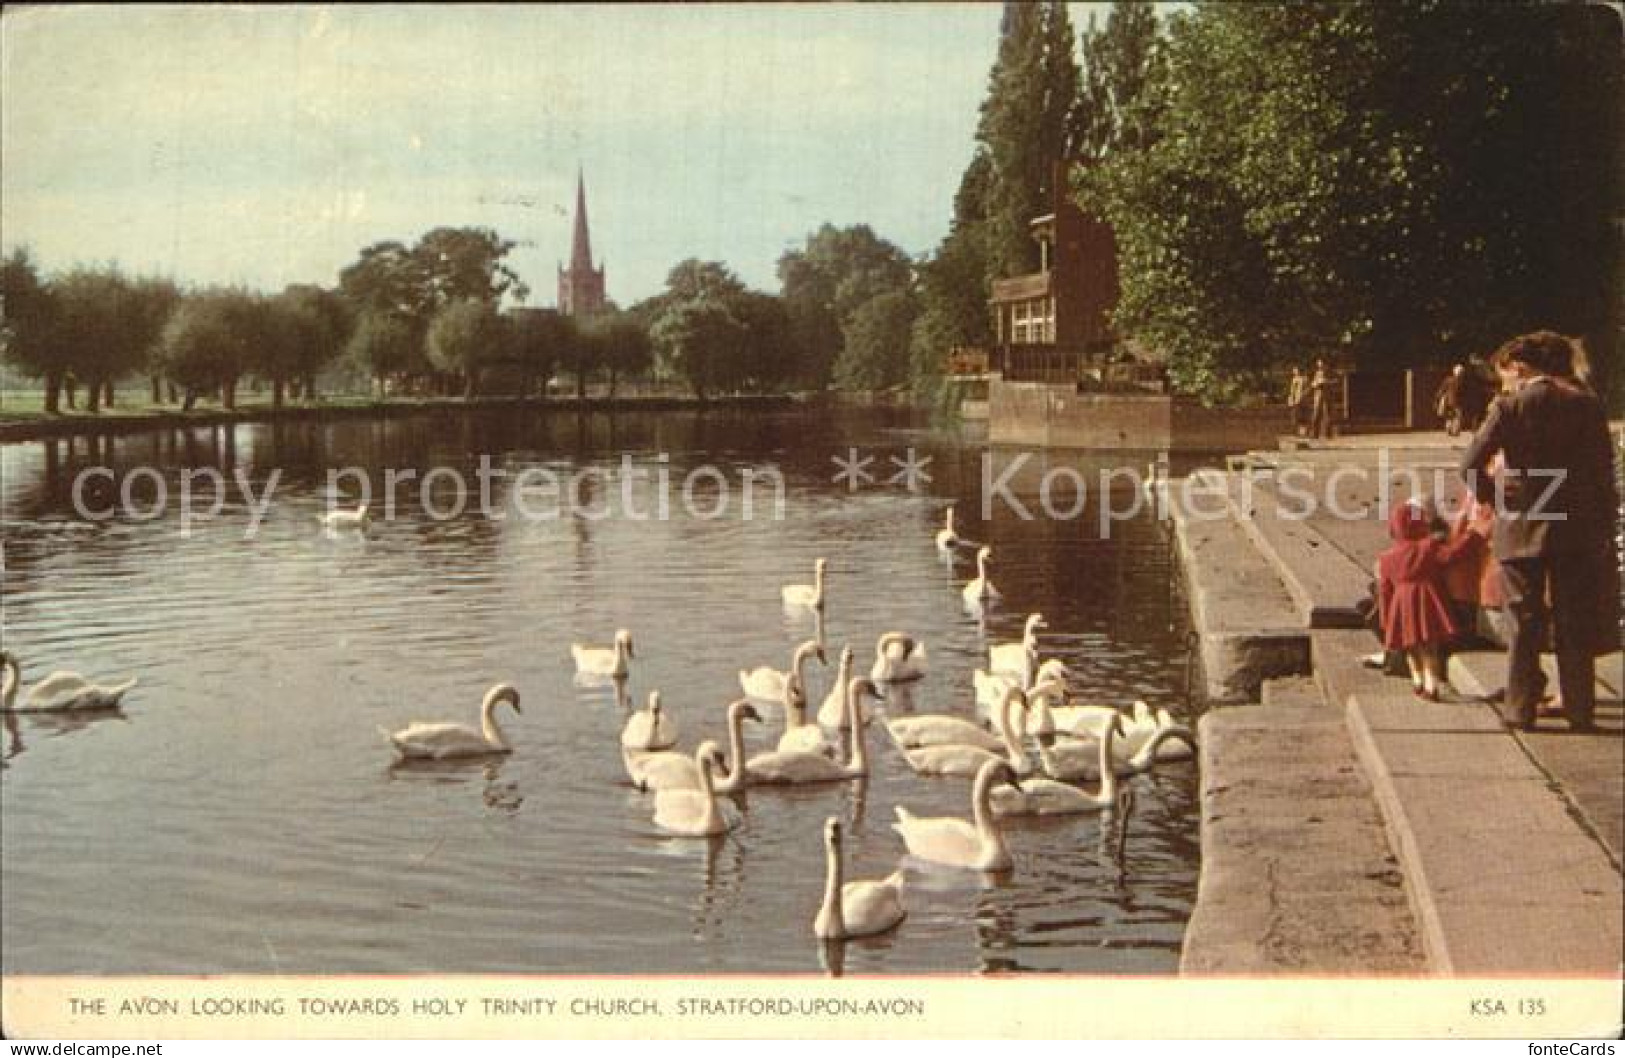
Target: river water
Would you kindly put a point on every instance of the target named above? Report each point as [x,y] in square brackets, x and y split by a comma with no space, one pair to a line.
[241,812]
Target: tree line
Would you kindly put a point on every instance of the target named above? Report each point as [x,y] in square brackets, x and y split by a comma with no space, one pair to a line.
[1385,185]
[439,317]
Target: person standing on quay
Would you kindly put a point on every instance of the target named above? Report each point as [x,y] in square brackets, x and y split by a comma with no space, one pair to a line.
[1555,510]
[1447,401]
[1320,393]
[1297,400]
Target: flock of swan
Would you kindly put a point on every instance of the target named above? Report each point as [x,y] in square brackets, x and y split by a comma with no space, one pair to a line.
[1022,698]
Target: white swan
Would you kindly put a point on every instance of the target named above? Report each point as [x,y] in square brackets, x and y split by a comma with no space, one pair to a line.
[1070,761]
[768,684]
[899,657]
[940,729]
[1089,722]
[1047,797]
[650,730]
[802,767]
[1080,721]
[333,521]
[981,590]
[57,693]
[964,760]
[800,736]
[671,770]
[810,596]
[990,688]
[604,661]
[854,909]
[1018,659]
[947,538]
[694,813]
[832,713]
[978,844]
[423,741]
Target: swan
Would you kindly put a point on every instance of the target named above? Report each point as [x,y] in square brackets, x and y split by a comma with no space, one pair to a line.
[854,909]
[57,693]
[981,589]
[1081,721]
[990,688]
[604,661]
[832,713]
[694,813]
[898,657]
[1080,760]
[671,770]
[652,729]
[423,741]
[810,596]
[768,684]
[978,844]
[803,767]
[963,760]
[1046,797]
[1089,722]
[800,736]
[947,538]
[1018,659]
[357,519]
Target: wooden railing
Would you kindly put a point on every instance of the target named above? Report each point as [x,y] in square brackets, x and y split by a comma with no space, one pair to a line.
[1039,362]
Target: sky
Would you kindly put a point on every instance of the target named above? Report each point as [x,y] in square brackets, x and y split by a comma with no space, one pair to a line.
[263,146]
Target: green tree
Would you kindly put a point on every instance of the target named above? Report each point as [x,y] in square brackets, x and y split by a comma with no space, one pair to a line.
[155,302]
[465,337]
[762,360]
[1118,106]
[209,342]
[465,264]
[1393,184]
[1032,91]
[540,340]
[824,283]
[876,353]
[320,322]
[699,333]
[622,346]
[27,325]
[383,344]
[102,327]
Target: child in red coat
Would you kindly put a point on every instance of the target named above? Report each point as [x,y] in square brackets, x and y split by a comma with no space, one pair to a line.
[1411,590]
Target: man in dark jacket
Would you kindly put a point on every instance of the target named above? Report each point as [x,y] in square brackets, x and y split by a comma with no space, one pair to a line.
[1555,508]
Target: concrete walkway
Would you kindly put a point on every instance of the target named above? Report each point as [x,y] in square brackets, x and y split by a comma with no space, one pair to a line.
[1508,844]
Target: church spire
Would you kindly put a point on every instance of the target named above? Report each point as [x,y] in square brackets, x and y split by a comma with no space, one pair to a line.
[581,244]
[581,286]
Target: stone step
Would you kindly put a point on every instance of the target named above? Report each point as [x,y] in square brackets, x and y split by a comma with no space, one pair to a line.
[1324,583]
[1244,619]
[1591,769]
[1288,691]
[1503,875]
[1297,875]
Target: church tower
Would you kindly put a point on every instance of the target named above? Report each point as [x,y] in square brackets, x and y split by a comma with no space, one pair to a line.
[581,286]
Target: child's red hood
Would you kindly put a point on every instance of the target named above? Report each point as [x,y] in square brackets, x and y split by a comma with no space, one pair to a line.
[1408,522]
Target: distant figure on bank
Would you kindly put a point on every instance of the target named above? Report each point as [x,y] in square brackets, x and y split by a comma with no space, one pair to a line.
[1297,399]
[1556,509]
[1320,395]
[1415,607]
[1447,400]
